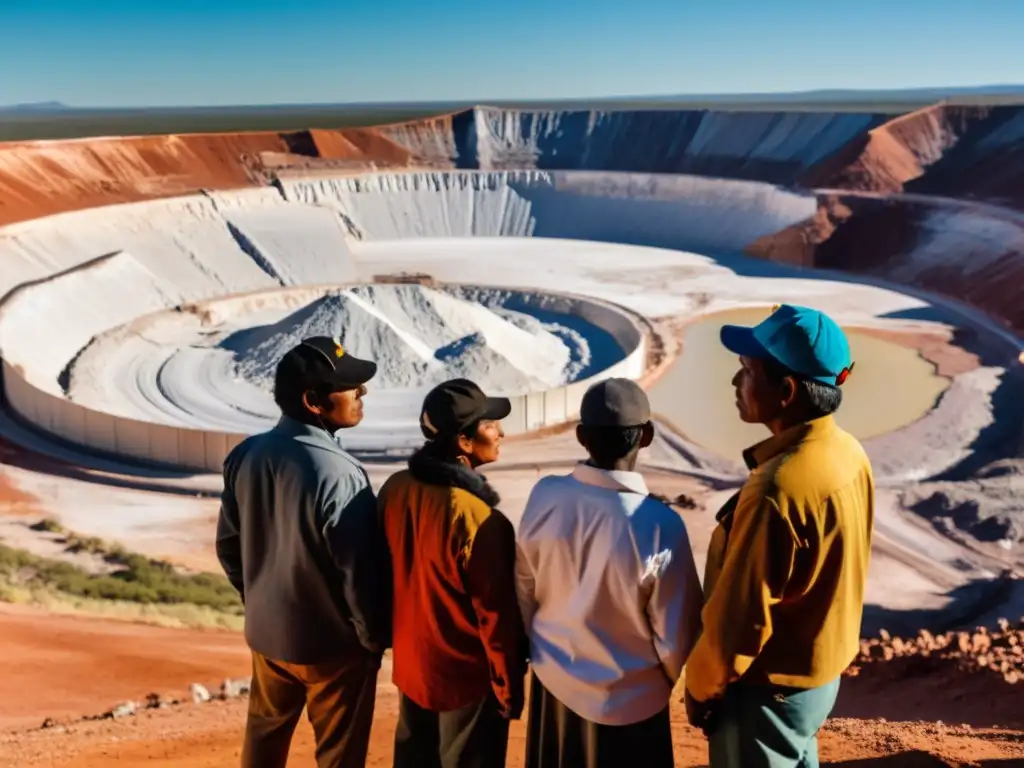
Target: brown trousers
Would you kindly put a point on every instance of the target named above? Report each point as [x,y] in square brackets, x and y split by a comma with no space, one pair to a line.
[338,697]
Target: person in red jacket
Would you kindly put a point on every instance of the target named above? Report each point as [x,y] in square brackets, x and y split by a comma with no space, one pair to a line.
[458,639]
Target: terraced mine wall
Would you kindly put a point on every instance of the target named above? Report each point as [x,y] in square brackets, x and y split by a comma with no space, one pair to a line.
[930,199]
[41,178]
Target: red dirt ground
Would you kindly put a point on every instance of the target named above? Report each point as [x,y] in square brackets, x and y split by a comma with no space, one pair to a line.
[12,497]
[208,736]
[63,668]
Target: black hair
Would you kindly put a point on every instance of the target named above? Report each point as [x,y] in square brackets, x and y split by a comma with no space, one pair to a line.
[447,446]
[289,389]
[818,398]
[606,445]
[288,397]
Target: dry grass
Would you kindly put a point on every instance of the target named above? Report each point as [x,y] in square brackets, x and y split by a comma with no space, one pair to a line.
[181,615]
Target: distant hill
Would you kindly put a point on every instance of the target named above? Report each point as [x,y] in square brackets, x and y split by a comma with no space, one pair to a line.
[833,95]
[54,120]
[34,108]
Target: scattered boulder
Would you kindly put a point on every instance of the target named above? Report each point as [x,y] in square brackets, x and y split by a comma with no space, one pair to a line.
[126,709]
[233,689]
[156,701]
[200,694]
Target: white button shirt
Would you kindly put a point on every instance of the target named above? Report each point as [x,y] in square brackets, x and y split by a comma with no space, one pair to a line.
[609,593]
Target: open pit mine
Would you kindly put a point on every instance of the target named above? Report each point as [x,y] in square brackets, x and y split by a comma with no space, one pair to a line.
[150,284]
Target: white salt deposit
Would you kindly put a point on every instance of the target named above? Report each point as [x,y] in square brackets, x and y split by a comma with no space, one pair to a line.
[686,212]
[212,365]
[296,244]
[418,337]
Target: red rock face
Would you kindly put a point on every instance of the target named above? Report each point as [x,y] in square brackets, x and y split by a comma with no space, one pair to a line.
[42,178]
[967,253]
[921,165]
[886,158]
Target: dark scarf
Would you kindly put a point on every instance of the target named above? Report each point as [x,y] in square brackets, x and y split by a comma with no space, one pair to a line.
[428,466]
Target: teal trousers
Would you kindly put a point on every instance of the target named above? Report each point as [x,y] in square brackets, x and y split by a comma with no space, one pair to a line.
[770,727]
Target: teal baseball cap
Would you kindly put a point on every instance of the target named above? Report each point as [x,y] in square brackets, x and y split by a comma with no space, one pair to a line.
[805,341]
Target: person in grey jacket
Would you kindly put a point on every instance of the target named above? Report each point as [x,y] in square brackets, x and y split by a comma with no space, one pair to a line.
[298,536]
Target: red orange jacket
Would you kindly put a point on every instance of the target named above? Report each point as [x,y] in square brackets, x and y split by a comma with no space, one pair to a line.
[457,630]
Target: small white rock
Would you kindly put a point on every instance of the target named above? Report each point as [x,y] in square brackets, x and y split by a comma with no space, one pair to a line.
[127,709]
[232,689]
[200,695]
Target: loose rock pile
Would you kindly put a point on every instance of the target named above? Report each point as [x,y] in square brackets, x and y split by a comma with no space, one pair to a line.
[198,694]
[1000,650]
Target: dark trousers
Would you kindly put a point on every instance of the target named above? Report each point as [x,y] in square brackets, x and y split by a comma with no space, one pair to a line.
[475,736]
[770,727]
[338,697]
[557,737]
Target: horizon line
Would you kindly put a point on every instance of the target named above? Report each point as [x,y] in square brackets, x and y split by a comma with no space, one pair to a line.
[908,91]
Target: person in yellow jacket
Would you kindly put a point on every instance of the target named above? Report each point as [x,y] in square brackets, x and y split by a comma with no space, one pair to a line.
[787,564]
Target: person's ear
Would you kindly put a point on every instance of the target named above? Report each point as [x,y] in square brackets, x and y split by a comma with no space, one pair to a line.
[788,393]
[581,436]
[647,434]
[465,443]
[311,401]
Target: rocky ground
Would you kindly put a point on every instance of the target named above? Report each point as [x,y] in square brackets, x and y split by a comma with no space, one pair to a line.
[950,699]
[988,507]
[208,736]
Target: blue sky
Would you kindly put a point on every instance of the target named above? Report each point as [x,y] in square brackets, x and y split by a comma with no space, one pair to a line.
[198,52]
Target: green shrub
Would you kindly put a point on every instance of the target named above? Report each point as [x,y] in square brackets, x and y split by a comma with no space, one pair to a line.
[48,525]
[137,579]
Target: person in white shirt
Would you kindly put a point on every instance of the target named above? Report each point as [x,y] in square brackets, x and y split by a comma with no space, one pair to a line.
[610,597]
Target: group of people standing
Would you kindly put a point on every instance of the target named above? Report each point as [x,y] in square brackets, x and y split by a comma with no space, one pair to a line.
[594,595]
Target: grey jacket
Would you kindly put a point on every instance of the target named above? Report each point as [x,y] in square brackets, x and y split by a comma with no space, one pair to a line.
[298,537]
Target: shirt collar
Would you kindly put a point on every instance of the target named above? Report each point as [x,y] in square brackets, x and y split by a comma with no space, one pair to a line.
[768,449]
[296,428]
[612,479]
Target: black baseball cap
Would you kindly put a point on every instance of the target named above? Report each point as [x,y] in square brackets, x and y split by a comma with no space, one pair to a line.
[453,405]
[321,361]
[615,402]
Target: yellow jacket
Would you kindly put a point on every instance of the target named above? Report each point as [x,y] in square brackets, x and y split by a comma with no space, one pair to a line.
[787,564]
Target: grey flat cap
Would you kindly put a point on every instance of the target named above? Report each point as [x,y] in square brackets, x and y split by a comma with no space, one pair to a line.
[615,403]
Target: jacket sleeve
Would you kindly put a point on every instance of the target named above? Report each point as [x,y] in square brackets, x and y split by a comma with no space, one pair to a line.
[357,547]
[490,582]
[229,531]
[674,607]
[737,615]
